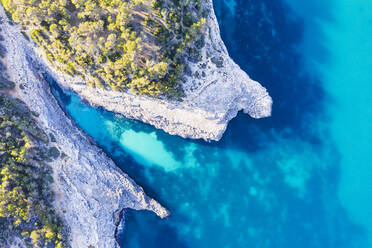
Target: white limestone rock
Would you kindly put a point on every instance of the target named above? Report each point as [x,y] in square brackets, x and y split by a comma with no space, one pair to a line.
[210,102]
[90,189]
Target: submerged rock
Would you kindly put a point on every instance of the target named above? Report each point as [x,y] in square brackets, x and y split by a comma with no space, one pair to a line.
[91,191]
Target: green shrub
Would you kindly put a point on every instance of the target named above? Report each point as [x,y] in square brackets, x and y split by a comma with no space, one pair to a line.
[26,199]
[112,39]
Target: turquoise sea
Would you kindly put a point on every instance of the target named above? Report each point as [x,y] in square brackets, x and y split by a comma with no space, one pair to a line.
[301,178]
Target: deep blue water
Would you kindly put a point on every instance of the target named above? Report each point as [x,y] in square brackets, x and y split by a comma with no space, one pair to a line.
[300,178]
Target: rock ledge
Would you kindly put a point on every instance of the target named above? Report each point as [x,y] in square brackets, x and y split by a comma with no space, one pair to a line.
[215,93]
[90,189]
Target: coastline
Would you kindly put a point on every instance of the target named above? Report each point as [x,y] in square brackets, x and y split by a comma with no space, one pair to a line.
[210,102]
[90,189]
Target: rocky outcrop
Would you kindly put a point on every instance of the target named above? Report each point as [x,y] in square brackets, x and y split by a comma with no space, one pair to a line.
[90,189]
[216,89]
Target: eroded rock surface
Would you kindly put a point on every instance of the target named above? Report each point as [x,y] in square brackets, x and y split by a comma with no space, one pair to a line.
[90,189]
[216,89]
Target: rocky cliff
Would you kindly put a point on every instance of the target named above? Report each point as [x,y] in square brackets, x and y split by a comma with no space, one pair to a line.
[216,89]
[90,189]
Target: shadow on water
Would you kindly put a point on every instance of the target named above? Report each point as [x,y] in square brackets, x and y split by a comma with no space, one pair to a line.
[267,183]
[139,220]
[265,41]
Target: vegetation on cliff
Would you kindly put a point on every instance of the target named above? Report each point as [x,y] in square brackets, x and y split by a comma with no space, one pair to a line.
[140,45]
[26,210]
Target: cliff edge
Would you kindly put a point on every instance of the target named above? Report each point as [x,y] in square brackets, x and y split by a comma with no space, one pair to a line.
[215,88]
[90,189]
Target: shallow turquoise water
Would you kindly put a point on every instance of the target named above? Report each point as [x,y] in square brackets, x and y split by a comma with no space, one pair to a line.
[300,178]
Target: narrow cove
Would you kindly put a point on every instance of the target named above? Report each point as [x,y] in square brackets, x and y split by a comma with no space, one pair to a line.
[267,183]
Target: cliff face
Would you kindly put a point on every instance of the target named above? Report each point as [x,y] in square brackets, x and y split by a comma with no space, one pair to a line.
[216,89]
[90,189]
